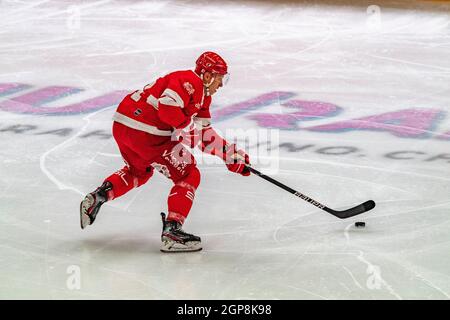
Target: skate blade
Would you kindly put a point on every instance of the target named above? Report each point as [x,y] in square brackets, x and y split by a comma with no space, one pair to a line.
[172,246]
[85,220]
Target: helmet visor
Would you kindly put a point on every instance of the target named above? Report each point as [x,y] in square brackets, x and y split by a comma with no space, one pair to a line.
[224,78]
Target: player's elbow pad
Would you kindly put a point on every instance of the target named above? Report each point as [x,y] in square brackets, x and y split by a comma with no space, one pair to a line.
[172,115]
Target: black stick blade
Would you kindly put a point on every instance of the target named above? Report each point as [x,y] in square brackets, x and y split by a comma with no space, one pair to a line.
[364,207]
[369,205]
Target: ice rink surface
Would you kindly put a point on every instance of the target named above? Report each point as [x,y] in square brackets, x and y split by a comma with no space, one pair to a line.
[356,98]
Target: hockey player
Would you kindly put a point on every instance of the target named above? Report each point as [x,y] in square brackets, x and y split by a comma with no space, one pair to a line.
[151,127]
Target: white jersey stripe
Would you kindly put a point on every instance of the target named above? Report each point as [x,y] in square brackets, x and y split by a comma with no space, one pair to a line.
[129,122]
[152,101]
[175,96]
[168,101]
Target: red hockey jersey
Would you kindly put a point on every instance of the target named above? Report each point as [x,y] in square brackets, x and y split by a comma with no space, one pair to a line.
[169,103]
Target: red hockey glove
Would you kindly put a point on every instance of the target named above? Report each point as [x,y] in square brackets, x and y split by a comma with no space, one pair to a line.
[236,160]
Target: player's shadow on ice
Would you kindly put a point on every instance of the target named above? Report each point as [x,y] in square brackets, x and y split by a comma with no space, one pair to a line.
[122,244]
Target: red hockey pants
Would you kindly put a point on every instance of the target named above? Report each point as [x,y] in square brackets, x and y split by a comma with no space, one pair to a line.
[142,153]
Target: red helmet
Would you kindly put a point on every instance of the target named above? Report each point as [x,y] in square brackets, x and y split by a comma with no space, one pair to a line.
[212,62]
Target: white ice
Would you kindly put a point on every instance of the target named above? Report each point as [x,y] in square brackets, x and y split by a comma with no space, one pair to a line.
[259,241]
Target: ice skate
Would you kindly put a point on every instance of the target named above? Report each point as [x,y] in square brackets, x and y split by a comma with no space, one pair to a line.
[91,204]
[174,239]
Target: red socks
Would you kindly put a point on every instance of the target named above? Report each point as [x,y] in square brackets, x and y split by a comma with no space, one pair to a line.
[123,181]
[182,195]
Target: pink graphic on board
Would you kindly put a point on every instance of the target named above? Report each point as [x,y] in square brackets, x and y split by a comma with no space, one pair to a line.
[10,88]
[238,109]
[45,95]
[31,103]
[404,123]
[308,110]
[410,123]
[444,136]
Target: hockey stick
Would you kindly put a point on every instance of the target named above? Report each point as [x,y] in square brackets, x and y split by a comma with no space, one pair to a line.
[366,206]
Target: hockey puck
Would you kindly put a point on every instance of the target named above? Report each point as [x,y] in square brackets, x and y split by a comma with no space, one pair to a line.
[360,224]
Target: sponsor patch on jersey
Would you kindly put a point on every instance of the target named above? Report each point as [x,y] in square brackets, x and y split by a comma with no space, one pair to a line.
[189,88]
